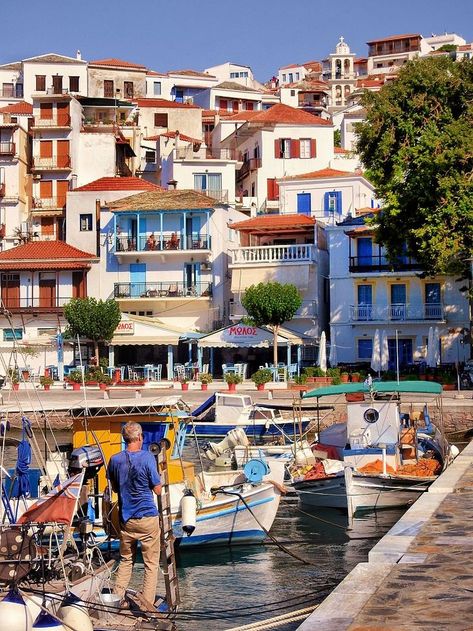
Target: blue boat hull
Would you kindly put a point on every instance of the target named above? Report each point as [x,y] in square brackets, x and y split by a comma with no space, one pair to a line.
[209,430]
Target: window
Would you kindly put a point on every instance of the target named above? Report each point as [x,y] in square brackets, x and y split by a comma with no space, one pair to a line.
[150,156]
[223,104]
[108,89]
[298,76]
[157,88]
[47,332]
[128,89]
[365,349]
[73,84]
[10,335]
[332,202]
[210,182]
[282,148]
[290,77]
[293,93]
[305,148]
[160,120]
[284,78]
[40,83]
[7,89]
[85,223]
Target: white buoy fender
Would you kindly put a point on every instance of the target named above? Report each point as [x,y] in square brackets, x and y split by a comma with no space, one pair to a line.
[74,613]
[188,512]
[14,614]
[46,622]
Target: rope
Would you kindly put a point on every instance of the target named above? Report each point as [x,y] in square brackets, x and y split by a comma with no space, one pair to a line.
[266,532]
[65,624]
[277,621]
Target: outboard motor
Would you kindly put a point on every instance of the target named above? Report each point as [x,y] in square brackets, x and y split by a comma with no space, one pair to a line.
[233,438]
[89,458]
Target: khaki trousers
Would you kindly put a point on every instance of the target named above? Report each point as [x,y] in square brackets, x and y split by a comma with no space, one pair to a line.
[146,531]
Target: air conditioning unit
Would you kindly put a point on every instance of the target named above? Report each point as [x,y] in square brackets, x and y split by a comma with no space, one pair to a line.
[206,266]
[36,176]
[189,100]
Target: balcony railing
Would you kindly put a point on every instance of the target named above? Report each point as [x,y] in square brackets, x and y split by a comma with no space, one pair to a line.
[164,289]
[165,242]
[264,254]
[51,163]
[397,312]
[7,148]
[52,122]
[48,203]
[221,195]
[380,263]
[35,302]
[206,153]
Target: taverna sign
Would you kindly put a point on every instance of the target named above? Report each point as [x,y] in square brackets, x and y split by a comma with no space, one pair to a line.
[125,328]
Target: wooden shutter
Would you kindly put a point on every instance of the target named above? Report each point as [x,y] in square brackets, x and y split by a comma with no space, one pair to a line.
[63,153]
[63,113]
[45,111]
[223,104]
[47,226]
[295,149]
[47,292]
[313,148]
[57,84]
[249,106]
[272,189]
[78,285]
[11,290]
[46,149]
[277,148]
[46,189]
[235,106]
[62,186]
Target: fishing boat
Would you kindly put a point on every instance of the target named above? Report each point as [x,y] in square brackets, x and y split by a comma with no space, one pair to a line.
[386,454]
[222,412]
[207,507]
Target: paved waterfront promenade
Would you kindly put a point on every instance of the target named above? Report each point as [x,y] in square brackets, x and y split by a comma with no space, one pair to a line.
[420,575]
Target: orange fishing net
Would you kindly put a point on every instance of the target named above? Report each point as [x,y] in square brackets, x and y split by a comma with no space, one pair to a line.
[376,467]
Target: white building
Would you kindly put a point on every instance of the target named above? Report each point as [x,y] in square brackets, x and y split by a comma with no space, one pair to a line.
[339,73]
[54,74]
[294,73]
[275,143]
[237,73]
[369,293]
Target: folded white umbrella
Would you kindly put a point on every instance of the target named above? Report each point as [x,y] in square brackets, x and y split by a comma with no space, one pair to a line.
[376,352]
[322,359]
[384,351]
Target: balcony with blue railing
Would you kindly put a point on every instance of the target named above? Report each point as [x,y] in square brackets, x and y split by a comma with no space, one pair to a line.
[162,290]
[161,242]
[398,312]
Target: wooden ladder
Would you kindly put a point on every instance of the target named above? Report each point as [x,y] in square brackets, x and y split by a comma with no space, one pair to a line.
[168,557]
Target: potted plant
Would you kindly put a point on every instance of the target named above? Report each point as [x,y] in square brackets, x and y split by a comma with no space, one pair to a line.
[299,383]
[262,376]
[355,377]
[14,378]
[344,377]
[46,381]
[334,375]
[105,382]
[184,383]
[205,378]
[75,379]
[232,379]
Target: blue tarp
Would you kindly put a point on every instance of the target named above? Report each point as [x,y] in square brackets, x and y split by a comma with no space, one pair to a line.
[203,407]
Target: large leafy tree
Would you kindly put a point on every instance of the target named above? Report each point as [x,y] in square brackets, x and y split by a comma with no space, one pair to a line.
[417,144]
[272,304]
[92,319]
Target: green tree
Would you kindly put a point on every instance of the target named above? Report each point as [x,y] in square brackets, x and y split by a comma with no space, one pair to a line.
[271,304]
[92,319]
[417,144]
[337,138]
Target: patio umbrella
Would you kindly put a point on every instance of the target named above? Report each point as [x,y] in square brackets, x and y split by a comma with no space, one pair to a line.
[332,358]
[384,351]
[322,359]
[436,347]
[376,352]
[430,359]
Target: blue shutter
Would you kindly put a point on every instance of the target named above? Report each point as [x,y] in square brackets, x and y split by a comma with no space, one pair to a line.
[326,203]
[338,206]
[137,279]
[303,203]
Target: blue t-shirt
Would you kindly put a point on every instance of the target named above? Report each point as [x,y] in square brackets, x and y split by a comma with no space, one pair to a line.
[135,474]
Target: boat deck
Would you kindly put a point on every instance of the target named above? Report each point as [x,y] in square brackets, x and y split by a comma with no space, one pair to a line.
[418,576]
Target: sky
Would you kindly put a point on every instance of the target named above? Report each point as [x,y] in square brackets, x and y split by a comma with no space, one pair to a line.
[196,34]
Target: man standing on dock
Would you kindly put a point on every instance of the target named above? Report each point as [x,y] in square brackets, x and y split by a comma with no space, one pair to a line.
[134,476]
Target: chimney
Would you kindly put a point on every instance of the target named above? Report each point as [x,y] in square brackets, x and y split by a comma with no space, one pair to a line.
[78,55]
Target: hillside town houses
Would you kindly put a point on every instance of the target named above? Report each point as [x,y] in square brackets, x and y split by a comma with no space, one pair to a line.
[173,192]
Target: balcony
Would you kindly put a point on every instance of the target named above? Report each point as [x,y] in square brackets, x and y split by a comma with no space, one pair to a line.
[380,263]
[35,304]
[161,290]
[167,242]
[247,167]
[49,123]
[398,312]
[206,153]
[48,203]
[7,148]
[53,163]
[280,254]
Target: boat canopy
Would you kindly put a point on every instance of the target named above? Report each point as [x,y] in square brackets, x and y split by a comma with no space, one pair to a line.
[425,387]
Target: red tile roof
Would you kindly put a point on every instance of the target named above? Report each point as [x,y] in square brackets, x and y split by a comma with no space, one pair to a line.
[191,73]
[172,134]
[340,150]
[274,222]
[283,114]
[290,66]
[164,103]
[322,173]
[393,37]
[18,108]
[153,73]
[315,66]
[465,47]
[112,61]
[119,184]
[45,255]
